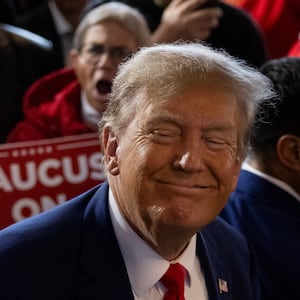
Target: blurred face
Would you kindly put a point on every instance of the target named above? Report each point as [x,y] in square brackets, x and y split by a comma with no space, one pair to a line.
[71,10]
[176,162]
[162,2]
[71,6]
[104,47]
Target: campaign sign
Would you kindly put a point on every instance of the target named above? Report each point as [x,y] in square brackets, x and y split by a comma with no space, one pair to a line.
[38,175]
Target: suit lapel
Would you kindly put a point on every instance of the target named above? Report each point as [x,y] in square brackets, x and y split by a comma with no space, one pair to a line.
[104,274]
[102,263]
[217,273]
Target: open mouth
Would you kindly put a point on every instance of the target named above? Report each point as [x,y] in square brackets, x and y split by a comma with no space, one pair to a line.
[104,87]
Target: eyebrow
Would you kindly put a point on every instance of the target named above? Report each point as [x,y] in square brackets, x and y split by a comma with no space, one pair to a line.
[164,118]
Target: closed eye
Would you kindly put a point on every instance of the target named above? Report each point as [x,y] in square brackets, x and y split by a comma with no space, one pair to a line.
[217,143]
[164,132]
[165,135]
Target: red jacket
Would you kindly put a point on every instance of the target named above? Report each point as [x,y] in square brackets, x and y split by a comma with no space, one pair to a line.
[295,49]
[52,108]
[279,20]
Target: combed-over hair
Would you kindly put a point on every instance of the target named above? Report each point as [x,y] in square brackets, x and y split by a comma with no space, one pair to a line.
[160,71]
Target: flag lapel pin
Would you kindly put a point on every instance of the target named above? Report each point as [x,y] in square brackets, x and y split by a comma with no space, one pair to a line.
[223,286]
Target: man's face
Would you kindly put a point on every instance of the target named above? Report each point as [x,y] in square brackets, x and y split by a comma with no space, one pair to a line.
[177,161]
[104,47]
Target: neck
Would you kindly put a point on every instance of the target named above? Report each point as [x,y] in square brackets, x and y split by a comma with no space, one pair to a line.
[72,18]
[169,245]
[277,170]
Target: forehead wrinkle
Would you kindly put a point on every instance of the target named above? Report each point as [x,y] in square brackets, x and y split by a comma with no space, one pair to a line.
[207,125]
[219,126]
[162,114]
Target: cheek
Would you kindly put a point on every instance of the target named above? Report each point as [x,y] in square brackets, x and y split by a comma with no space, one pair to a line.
[138,165]
[132,164]
[230,179]
[226,169]
[139,154]
[84,75]
[235,174]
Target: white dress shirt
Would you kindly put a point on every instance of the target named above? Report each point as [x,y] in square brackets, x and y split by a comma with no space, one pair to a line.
[145,267]
[90,115]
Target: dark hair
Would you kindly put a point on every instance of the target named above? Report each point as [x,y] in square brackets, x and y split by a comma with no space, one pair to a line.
[278,115]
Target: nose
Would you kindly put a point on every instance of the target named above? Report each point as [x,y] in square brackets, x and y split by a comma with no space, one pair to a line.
[105,61]
[191,159]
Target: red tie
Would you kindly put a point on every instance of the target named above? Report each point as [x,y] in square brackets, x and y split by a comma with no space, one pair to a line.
[173,280]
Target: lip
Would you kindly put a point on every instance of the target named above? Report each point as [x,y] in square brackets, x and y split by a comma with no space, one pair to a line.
[184,185]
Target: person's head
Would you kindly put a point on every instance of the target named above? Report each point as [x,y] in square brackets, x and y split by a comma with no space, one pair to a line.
[69,6]
[275,136]
[162,3]
[71,9]
[103,39]
[174,135]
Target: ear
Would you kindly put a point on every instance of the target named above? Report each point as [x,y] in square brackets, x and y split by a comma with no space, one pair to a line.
[110,143]
[288,151]
[73,58]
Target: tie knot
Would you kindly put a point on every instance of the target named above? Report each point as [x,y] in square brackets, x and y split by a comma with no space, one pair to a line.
[173,280]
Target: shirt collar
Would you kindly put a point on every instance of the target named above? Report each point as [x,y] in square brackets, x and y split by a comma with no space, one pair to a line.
[281,184]
[61,24]
[139,256]
[90,115]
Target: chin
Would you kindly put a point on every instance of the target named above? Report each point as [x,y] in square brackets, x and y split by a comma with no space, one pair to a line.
[100,103]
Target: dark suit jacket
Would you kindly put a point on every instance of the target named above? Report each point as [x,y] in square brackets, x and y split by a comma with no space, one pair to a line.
[21,63]
[40,21]
[71,252]
[270,218]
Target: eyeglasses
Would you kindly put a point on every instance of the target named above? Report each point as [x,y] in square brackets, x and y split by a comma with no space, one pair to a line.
[93,53]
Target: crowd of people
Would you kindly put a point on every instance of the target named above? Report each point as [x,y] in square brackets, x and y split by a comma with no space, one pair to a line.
[265,205]
[234,28]
[70,101]
[196,109]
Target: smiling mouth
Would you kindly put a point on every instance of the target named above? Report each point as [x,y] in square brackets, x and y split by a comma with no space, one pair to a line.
[185,186]
[104,87]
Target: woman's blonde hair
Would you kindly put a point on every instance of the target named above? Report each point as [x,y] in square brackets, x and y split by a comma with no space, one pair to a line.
[126,16]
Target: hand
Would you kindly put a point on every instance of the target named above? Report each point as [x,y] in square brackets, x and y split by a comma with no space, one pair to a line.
[182,19]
